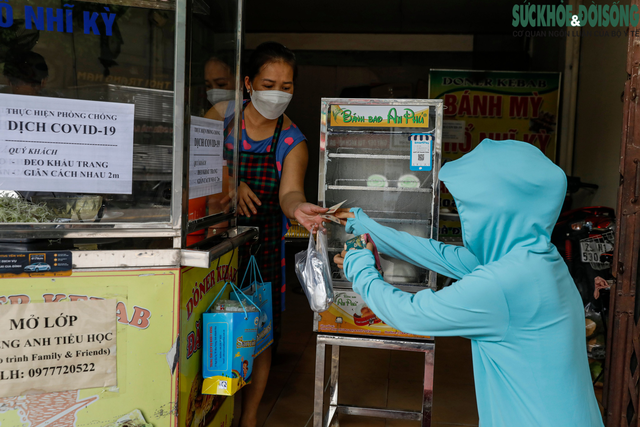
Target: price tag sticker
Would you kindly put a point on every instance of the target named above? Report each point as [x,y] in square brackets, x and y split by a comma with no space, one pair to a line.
[421,151]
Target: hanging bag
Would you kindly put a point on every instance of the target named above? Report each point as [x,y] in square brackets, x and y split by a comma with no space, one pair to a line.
[314,273]
[259,292]
[229,338]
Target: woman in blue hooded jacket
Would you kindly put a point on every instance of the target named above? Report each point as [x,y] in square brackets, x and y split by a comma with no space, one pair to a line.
[514,297]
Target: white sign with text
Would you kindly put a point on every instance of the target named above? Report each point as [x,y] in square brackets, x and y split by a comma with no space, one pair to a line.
[205,157]
[65,145]
[51,347]
[453,131]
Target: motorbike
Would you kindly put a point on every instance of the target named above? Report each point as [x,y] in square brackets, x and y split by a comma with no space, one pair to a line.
[585,238]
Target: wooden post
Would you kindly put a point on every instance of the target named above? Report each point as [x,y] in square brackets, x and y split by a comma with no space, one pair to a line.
[621,396]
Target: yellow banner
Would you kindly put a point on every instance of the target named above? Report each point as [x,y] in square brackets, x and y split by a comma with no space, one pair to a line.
[497,105]
[199,287]
[146,312]
[397,116]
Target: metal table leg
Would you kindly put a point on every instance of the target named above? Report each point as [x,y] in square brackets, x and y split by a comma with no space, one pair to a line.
[427,397]
[319,385]
[331,419]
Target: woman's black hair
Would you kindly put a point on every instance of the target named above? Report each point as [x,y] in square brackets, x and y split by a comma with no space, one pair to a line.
[25,67]
[267,53]
[225,57]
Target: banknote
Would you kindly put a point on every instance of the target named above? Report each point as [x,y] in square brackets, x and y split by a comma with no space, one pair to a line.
[330,218]
[328,215]
[335,207]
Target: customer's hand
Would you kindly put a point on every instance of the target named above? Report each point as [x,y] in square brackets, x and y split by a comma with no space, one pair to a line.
[339,258]
[343,214]
[308,215]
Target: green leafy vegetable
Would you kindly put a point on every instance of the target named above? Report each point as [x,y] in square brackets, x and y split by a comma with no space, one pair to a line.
[15,209]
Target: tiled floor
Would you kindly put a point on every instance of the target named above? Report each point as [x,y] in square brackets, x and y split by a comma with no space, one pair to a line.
[368,377]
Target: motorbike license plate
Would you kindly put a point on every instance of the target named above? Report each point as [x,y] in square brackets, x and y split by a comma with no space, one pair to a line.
[591,251]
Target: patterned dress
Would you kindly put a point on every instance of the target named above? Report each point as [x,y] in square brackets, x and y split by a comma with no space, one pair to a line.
[261,168]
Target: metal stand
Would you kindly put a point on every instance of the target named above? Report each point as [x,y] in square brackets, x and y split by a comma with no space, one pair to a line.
[427,347]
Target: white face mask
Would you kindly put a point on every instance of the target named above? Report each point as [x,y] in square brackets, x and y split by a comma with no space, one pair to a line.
[270,103]
[218,95]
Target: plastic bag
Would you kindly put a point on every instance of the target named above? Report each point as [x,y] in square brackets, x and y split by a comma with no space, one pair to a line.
[314,272]
[595,333]
[259,292]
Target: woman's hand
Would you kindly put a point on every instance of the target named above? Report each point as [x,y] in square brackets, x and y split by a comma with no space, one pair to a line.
[246,200]
[308,215]
[224,204]
[339,258]
[343,214]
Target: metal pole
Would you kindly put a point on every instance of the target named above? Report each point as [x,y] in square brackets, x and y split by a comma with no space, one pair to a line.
[333,386]
[182,46]
[427,392]
[319,384]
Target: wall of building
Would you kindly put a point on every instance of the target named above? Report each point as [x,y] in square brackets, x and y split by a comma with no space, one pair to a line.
[599,115]
[328,73]
[357,74]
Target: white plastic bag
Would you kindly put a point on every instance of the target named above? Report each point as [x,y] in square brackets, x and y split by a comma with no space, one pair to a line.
[314,272]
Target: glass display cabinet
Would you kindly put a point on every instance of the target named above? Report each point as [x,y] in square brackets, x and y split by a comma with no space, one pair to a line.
[118,123]
[383,156]
[110,135]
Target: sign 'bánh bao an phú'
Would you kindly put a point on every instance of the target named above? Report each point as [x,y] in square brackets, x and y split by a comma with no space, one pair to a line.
[405,116]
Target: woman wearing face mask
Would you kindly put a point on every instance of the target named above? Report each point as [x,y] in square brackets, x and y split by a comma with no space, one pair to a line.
[273,161]
[218,81]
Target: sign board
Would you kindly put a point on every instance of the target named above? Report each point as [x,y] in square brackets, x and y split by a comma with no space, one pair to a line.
[65,145]
[205,157]
[497,105]
[399,116]
[350,315]
[57,347]
[144,314]
[199,288]
[35,264]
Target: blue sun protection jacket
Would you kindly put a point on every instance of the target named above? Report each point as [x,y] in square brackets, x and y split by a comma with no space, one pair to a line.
[514,297]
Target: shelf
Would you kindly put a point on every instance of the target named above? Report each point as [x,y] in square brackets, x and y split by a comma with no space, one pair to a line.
[208,250]
[426,222]
[383,189]
[368,156]
[341,285]
[449,216]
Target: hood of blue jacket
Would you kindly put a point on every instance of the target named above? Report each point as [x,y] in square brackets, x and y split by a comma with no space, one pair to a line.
[508,195]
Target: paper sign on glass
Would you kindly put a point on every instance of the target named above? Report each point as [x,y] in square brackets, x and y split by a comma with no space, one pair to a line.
[453,131]
[205,157]
[65,145]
